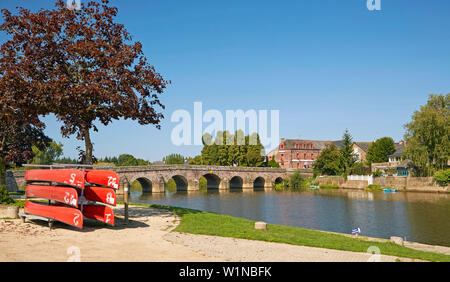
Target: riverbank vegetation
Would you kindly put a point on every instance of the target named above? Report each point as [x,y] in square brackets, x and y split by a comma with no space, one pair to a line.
[442,177]
[427,136]
[295,182]
[207,223]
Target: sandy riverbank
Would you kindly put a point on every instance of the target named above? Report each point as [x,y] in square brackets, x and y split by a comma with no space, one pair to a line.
[148,237]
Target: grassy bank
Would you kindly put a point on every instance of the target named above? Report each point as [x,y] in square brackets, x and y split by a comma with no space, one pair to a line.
[207,223]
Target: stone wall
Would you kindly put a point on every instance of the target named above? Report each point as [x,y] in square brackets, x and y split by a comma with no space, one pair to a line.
[417,184]
[397,182]
[354,184]
[335,180]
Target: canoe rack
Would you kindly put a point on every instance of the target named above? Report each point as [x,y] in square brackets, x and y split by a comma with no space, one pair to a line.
[57,165]
[50,221]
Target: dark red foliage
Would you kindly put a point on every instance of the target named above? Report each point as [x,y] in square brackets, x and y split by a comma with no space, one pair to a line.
[80,65]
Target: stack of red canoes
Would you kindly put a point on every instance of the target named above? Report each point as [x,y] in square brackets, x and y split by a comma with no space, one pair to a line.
[72,194]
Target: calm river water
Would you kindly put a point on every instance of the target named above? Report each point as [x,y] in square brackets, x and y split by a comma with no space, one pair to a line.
[420,217]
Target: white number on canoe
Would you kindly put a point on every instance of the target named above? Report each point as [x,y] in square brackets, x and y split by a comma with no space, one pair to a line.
[70,199]
[72,178]
[112,182]
[75,219]
[107,219]
[110,198]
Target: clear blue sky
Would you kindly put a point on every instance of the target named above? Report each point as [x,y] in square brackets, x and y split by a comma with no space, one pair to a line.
[326,65]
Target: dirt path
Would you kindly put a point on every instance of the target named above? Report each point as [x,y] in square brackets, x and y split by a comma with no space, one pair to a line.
[148,237]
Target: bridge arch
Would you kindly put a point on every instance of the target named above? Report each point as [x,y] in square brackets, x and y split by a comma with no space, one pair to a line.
[236,183]
[278,180]
[181,182]
[259,183]
[212,181]
[141,185]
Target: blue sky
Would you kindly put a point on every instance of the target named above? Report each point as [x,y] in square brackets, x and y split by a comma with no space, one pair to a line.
[326,65]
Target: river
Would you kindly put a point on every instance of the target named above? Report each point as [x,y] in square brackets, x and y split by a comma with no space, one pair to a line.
[418,217]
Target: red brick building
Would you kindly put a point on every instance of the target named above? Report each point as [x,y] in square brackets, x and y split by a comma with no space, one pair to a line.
[298,153]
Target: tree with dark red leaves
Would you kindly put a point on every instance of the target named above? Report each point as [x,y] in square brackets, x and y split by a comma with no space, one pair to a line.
[80,65]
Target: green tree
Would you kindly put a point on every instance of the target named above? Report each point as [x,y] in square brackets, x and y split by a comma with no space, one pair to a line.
[348,157]
[197,160]
[329,162]
[380,150]
[228,149]
[427,136]
[48,155]
[127,160]
[255,150]
[273,163]
[174,159]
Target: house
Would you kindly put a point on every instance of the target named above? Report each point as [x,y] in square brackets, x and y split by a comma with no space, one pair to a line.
[297,153]
[397,165]
[360,150]
[397,156]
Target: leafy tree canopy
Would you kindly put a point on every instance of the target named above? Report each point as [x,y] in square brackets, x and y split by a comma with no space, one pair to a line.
[380,150]
[80,65]
[428,136]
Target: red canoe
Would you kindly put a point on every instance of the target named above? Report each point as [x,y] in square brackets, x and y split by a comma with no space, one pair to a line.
[104,178]
[99,212]
[68,215]
[73,177]
[100,194]
[66,195]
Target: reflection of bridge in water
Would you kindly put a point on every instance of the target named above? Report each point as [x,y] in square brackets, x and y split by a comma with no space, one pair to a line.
[153,179]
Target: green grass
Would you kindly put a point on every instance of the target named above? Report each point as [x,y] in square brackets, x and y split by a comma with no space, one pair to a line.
[207,223]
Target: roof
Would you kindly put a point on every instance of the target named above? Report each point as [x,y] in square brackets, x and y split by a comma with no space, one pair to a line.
[289,144]
[397,153]
[273,152]
[363,145]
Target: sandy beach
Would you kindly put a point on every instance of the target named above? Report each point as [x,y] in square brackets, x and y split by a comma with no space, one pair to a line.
[149,237]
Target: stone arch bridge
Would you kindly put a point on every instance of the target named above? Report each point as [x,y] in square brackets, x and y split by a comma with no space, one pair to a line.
[154,178]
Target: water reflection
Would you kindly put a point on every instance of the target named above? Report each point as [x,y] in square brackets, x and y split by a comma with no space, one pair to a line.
[420,217]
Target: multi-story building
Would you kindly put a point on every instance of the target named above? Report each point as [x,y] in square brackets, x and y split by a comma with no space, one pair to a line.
[298,153]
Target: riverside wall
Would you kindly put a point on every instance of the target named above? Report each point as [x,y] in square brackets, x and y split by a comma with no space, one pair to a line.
[417,184]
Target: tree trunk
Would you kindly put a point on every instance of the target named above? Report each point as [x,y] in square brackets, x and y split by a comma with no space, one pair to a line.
[88,146]
[2,171]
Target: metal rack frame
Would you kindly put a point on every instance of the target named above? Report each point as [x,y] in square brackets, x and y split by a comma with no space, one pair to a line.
[50,221]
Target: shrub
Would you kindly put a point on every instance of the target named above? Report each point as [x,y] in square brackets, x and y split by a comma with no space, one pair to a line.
[272,163]
[443,177]
[295,181]
[377,173]
[374,187]
[4,196]
[202,183]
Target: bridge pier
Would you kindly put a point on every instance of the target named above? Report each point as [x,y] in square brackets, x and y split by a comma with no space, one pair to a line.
[247,184]
[158,186]
[193,185]
[224,184]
